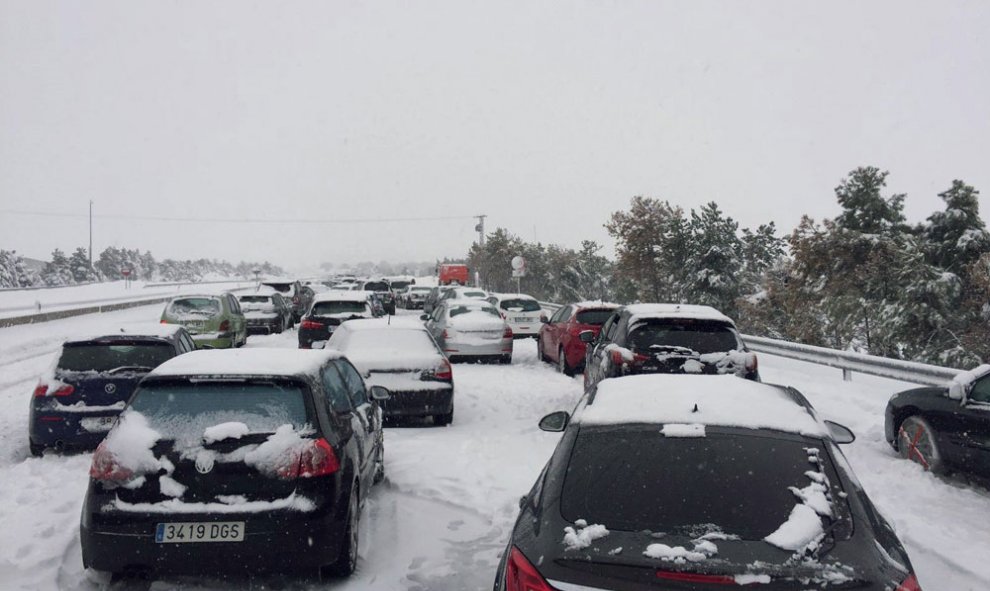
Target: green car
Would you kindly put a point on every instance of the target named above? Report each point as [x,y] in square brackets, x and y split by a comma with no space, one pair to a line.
[214,321]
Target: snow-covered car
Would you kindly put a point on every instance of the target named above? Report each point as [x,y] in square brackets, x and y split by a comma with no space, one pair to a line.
[414,297]
[522,312]
[384,292]
[215,321]
[463,293]
[78,400]
[402,356]
[232,461]
[266,311]
[470,330]
[667,338]
[295,293]
[559,341]
[681,482]
[944,428]
[332,308]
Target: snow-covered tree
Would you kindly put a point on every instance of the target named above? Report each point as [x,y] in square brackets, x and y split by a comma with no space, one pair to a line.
[57,271]
[79,266]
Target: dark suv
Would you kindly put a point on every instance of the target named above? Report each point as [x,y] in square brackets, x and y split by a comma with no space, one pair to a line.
[265,454]
[75,405]
[384,291]
[666,338]
[297,295]
[332,308]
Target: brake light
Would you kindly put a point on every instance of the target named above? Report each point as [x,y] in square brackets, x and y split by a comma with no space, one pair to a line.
[669,575]
[311,325]
[444,372]
[225,326]
[106,468]
[520,575]
[163,321]
[617,358]
[315,458]
[909,584]
[42,390]
[508,333]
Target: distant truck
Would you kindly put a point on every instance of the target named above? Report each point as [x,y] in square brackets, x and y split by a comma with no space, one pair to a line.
[453,274]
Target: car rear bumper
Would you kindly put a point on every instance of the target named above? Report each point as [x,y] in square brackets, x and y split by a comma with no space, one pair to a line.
[419,403]
[64,430]
[215,340]
[263,325]
[491,349]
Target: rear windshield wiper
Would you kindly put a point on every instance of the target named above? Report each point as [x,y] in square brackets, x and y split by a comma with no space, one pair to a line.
[134,368]
[673,349]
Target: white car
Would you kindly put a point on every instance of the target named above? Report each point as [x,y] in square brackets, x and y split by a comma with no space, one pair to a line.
[522,312]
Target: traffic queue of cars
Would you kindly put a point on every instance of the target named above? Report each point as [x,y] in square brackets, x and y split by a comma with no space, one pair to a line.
[671,470]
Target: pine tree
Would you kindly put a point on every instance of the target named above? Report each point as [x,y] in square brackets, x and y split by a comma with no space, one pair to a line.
[57,271]
[79,266]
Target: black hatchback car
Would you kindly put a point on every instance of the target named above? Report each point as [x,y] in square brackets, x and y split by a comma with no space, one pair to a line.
[332,308]
[232,461]
[666,338]
[78,402]
[944,428]
[669,482]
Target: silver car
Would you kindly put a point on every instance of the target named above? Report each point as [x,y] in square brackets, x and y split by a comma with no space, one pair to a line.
[470,330]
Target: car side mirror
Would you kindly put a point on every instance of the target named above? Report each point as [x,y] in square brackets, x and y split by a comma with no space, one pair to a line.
[544,320]
[555,422]
[586,336]
[840,433]
[380,393]
[957,391]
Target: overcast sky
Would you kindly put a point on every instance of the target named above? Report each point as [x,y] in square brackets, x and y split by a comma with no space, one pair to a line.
[547,116]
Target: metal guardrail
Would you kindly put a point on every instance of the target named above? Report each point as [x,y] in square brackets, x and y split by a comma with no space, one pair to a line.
[847,361]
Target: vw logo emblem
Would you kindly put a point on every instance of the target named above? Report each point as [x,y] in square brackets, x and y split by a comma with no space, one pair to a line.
[110,388]
[204,463]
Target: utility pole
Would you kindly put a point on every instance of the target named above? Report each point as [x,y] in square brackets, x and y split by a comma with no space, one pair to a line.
[480,229]
[90,233]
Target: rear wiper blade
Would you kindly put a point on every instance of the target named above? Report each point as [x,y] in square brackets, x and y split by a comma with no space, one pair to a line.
[673,349]
[130,368]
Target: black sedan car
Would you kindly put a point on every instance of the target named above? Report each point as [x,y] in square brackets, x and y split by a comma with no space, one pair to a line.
[668,482]
[944,429]
[400,355]
[233,461]
[78,402]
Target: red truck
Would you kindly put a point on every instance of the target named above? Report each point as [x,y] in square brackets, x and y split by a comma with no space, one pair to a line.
[451,274]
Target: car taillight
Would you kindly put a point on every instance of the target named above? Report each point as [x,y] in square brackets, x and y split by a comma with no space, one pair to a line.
[42,390]
[106,468]
[444,372]
[315,458]
[508,333]
[311,325]
[225,326]
[909,584]
[163,321]
[752,364]
[619,360]
[521,575]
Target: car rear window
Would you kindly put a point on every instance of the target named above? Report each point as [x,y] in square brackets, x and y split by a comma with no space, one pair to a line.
[104,357]
[699,336]
[473,294]
[376,286]
[520,305]
[458,310]
[182,410]
[401,284]
[635,479]
[339,307]
[255,299]
[194,307]
[593,317]
[280,287]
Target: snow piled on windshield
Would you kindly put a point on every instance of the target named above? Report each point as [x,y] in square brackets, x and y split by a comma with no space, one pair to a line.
[582,535]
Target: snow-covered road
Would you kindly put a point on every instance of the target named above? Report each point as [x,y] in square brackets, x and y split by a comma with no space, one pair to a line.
[450,497]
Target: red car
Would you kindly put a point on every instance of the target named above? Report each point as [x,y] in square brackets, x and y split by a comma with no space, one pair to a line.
[559,341]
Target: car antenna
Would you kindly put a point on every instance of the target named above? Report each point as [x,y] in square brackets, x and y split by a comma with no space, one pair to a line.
[695,407]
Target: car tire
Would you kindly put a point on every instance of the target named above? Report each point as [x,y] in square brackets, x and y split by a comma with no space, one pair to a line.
[505,359]
[442,420]
[539,350]
[37,450]
[918,441]
[379,464]
[562,365]
[346,561]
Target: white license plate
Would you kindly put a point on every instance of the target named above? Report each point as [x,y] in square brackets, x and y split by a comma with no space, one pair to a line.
[97,424]
[522,319]
[212,531]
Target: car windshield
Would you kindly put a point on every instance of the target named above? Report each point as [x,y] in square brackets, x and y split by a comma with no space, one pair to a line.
[182,410]
[472,294]
[593,317]
[520,305]
[636,479]
[280,287]
[339,307]
[193,307]
[376,286]
[102,357]
[397,285]
[699,336]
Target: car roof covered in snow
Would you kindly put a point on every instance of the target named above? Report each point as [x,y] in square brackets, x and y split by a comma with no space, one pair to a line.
[193,296]
[469,303]
[262,290]
[641,312]
[149,330]
[711,400]
[246,362]
[342,296]
[595,305]
[512,296]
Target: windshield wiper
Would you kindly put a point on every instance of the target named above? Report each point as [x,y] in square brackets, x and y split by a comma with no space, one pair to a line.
[676,349]
[135,368]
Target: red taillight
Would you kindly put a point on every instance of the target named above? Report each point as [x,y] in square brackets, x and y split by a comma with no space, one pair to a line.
[508,333]
[444,371]
[909,584]
[163,321]
[225,326]
[669,575]
[316,458]
[311,325]
[617,358]
[520,575]
[105,467]
[752,364]
[63,390]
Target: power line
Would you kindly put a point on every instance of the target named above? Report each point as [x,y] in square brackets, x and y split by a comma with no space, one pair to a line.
[56,214]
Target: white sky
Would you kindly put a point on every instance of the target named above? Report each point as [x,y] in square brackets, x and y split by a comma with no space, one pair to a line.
[547,116]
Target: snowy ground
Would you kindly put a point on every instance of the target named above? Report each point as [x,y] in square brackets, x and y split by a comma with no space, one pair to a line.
[450,497]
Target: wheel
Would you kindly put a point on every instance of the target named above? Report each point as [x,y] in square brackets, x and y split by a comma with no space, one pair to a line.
[347,559]
[539,351]
[445,419]
[505,359]
[37,450]
[917,441]
[379,463]
[562,366]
